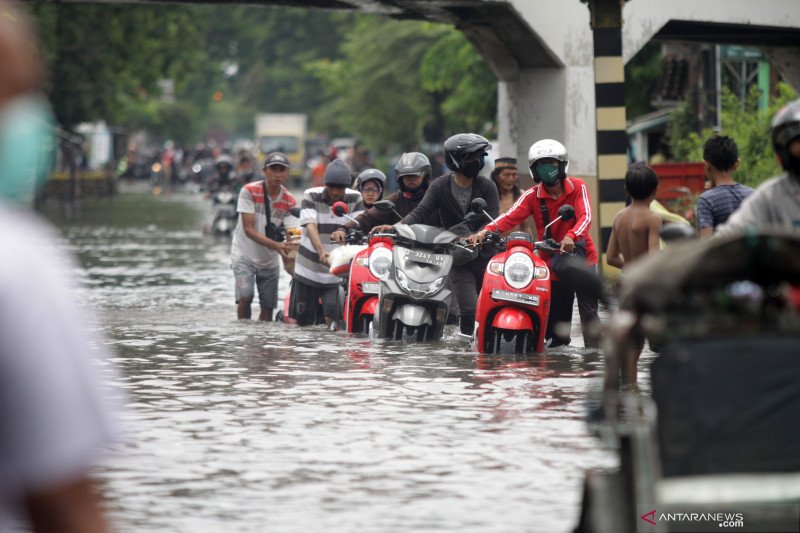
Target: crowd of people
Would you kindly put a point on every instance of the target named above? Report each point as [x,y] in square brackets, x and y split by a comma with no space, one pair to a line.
[444,201]
[54,419]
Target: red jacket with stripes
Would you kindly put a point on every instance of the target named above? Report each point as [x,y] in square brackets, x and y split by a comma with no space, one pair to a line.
[575,194]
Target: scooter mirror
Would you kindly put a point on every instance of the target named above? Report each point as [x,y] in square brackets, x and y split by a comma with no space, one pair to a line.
[340,209]
[676,232]
[295,212]
[477,205]
[384,205]
[566,212]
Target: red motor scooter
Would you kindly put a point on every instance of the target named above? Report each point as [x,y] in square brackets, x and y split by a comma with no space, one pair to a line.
[363,273]
[514,302]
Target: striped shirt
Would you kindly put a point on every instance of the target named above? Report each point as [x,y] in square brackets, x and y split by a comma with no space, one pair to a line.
[251,200]
[715,205]
[316,209]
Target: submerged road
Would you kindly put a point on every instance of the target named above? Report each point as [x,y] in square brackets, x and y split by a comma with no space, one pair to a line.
[245,426]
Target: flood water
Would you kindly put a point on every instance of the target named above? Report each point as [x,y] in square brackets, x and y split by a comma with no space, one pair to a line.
[245,426]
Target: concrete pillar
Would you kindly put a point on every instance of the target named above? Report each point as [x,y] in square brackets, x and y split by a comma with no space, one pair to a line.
[530,109]
[609,74]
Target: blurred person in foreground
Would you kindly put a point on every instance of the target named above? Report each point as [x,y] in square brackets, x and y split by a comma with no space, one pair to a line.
[53,417]
[775,204]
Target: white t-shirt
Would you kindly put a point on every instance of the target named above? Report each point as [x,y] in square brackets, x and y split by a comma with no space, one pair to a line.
[53,416]
[251,200]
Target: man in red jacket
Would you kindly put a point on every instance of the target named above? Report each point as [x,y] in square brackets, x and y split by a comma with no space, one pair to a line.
[548,162]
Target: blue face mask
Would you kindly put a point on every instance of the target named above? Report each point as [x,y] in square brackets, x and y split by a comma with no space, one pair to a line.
[548,173]
[26,147]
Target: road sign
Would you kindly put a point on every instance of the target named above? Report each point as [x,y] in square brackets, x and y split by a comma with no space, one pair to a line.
[741,53]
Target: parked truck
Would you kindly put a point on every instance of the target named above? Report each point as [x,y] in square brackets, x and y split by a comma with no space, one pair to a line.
[283,132]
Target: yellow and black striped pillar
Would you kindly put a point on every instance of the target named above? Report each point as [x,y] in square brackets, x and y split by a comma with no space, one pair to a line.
[609,93]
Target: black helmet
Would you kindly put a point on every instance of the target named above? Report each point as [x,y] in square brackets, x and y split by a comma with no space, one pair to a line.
[412,163]
[458,148]
[224,160]
[785,128]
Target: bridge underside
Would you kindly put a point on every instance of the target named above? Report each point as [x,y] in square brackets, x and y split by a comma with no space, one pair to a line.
[496,29]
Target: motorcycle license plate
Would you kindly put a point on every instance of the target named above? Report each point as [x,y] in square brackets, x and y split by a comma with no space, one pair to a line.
[425,257]
[370,287]
[516,297]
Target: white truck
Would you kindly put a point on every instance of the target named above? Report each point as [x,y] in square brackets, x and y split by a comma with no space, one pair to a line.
[283,132]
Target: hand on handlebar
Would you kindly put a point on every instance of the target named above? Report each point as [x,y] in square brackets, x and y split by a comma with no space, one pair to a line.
[477,238]
[381,229]
[567,245]
[338,236]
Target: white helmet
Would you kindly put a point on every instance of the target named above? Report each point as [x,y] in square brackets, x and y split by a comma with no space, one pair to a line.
[548,149]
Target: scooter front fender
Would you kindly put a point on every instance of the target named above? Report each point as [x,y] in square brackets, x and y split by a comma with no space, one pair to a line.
[370,306]
[413,315]
[512,318]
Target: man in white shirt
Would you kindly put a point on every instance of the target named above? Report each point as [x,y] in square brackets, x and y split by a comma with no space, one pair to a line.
[259,242]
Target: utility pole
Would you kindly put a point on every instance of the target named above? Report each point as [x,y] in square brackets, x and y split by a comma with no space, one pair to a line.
[609,93]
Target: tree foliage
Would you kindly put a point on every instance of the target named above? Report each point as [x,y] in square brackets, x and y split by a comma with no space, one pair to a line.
[744,123]
[401,83]
[391,83]
[641,74]
[102,56]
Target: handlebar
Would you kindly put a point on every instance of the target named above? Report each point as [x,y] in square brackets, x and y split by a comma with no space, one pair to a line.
[549,246]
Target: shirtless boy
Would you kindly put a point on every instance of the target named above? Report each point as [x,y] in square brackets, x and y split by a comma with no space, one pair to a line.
[635,232]
[636,229]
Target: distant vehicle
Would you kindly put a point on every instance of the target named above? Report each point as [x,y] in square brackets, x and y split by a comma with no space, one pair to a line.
[283,132]
[343,144]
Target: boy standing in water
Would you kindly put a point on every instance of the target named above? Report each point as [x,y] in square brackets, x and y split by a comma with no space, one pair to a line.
[635,231]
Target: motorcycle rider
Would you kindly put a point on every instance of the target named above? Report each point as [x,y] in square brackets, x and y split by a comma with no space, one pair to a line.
[225,178]
[776,202]
[413,172]
[448,199]
[548,163]
[370,184]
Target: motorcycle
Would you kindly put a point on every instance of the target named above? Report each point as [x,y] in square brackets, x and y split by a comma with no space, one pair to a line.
[415,294]
[225,215]
[368,260]
[514,302]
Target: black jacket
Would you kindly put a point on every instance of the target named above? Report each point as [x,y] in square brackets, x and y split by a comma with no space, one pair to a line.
[439,204]
[375,217]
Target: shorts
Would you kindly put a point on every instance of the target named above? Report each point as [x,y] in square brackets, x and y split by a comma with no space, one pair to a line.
[248,276]
[305,302]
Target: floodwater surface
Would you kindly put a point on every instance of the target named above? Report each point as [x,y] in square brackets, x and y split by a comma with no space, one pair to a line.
[245,426]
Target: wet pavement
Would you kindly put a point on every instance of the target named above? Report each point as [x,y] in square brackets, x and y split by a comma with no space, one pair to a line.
[245,426]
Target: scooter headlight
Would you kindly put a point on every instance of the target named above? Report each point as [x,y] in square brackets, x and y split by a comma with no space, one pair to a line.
[519,270]
[380,261]
[418,290]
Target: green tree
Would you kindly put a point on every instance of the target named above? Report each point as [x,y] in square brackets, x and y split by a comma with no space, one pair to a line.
[749,128]
[101,56]
[401,80]
[641,74]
